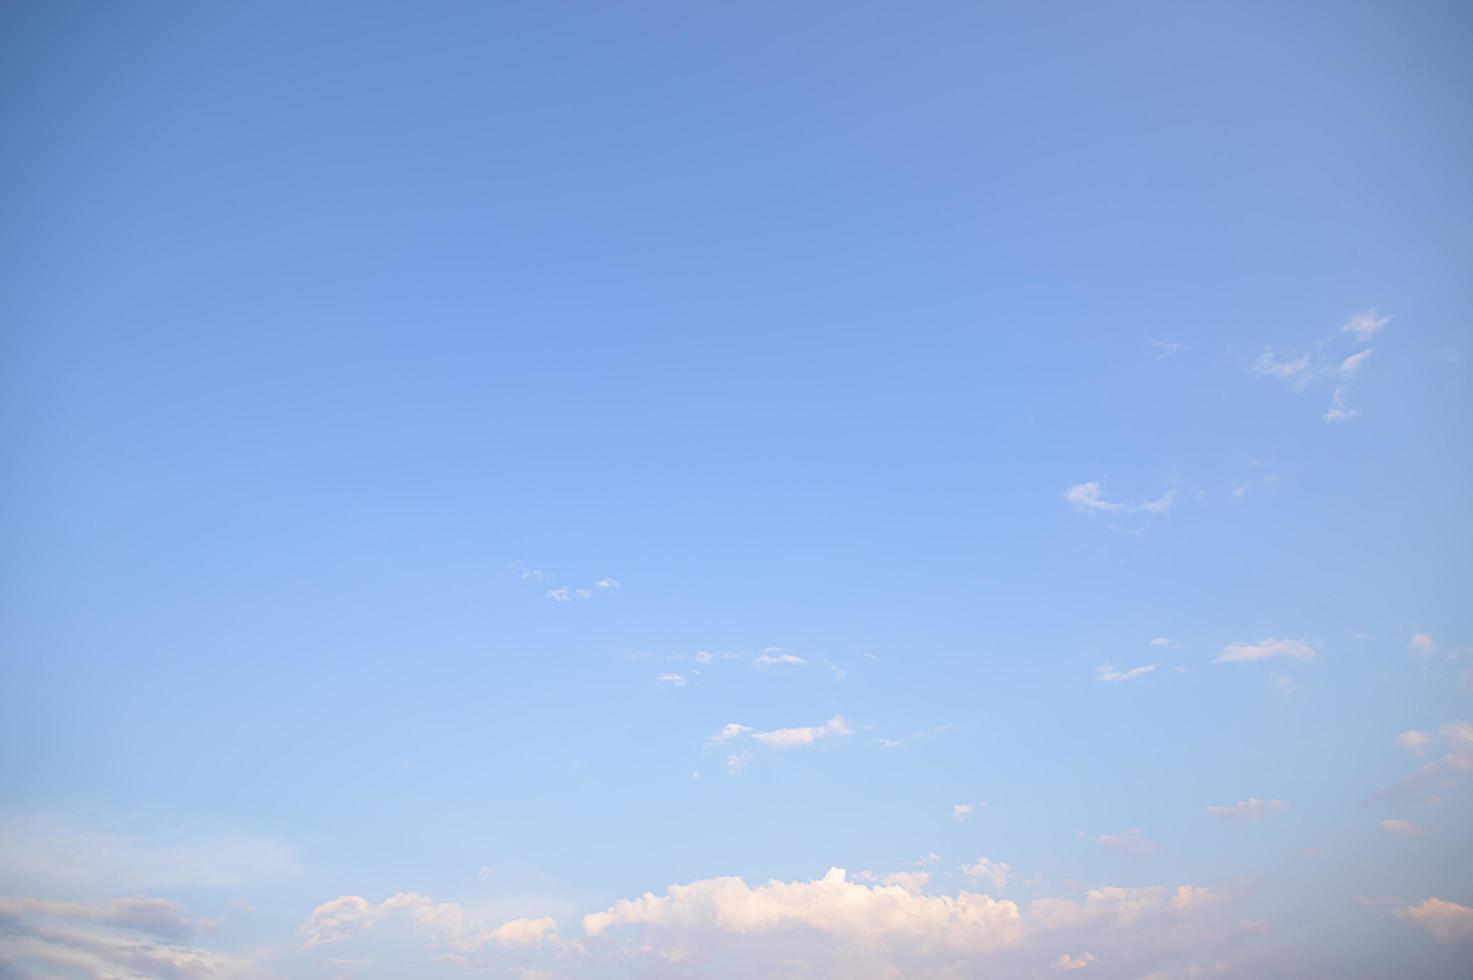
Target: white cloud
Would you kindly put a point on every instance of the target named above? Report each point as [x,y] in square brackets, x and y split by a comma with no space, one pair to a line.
[1420,645]
[1263,649]
[443,923]
[1351,364]
[1068,962]
[527,573]
[790,737]
[1364,326]
[1167,348]
[765,661]
[1403,827]
[994,871]
[1433,778]
[1444,921]
[1107,673]
[1246,811]
[1165,643]
[881,915]
[783,738]
[1415,741]
[962,811]
[671,679]
[1132,842]
[1089,497]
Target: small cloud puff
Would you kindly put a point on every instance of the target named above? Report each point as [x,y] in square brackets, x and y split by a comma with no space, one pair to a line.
[1263,649]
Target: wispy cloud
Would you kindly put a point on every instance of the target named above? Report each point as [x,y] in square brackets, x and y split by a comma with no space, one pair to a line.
[565,594]
[1167,348]
[777,738]
[1246,811]
[962,811]
[1363,326]
[1404,828]
[1089,498]
[1420,645]
[1433,778]
[1108,674]
[1264,649]
[773,657]
[1132,842]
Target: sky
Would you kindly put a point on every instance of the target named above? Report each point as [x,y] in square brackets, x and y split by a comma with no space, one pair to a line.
[573,490]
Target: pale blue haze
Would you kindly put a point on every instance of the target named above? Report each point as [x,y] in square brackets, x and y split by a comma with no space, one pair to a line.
[324,322]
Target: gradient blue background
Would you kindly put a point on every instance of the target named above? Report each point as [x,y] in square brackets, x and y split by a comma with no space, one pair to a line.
[795,319]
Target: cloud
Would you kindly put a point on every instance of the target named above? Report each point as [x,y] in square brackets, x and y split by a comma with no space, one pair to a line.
[1263,649]
[1293,370]
[1167,348]
[783,738]
[994,871]
[1403,827]
[443,923]
[1068,962]
[1108,674]
[962,811]
[1364,326]
[856,914]
[1415,741]
[1246,811]
[767,660]
[1444,921]
[1089,498]
[527,573]
[670,679]
[925,733]
[121,938]
[566,594]
[1132,842]
[1432,779]
[1165,643]
[1420,645]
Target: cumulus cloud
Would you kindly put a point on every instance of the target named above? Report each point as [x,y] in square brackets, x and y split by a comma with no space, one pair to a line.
[1246,811]
[444,923]
[1090,498]
[962,811]
[1445,921]
[1108,674]
[866,916]
[1263,649]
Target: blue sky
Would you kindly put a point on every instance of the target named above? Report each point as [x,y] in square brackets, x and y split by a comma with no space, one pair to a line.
[470,466]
